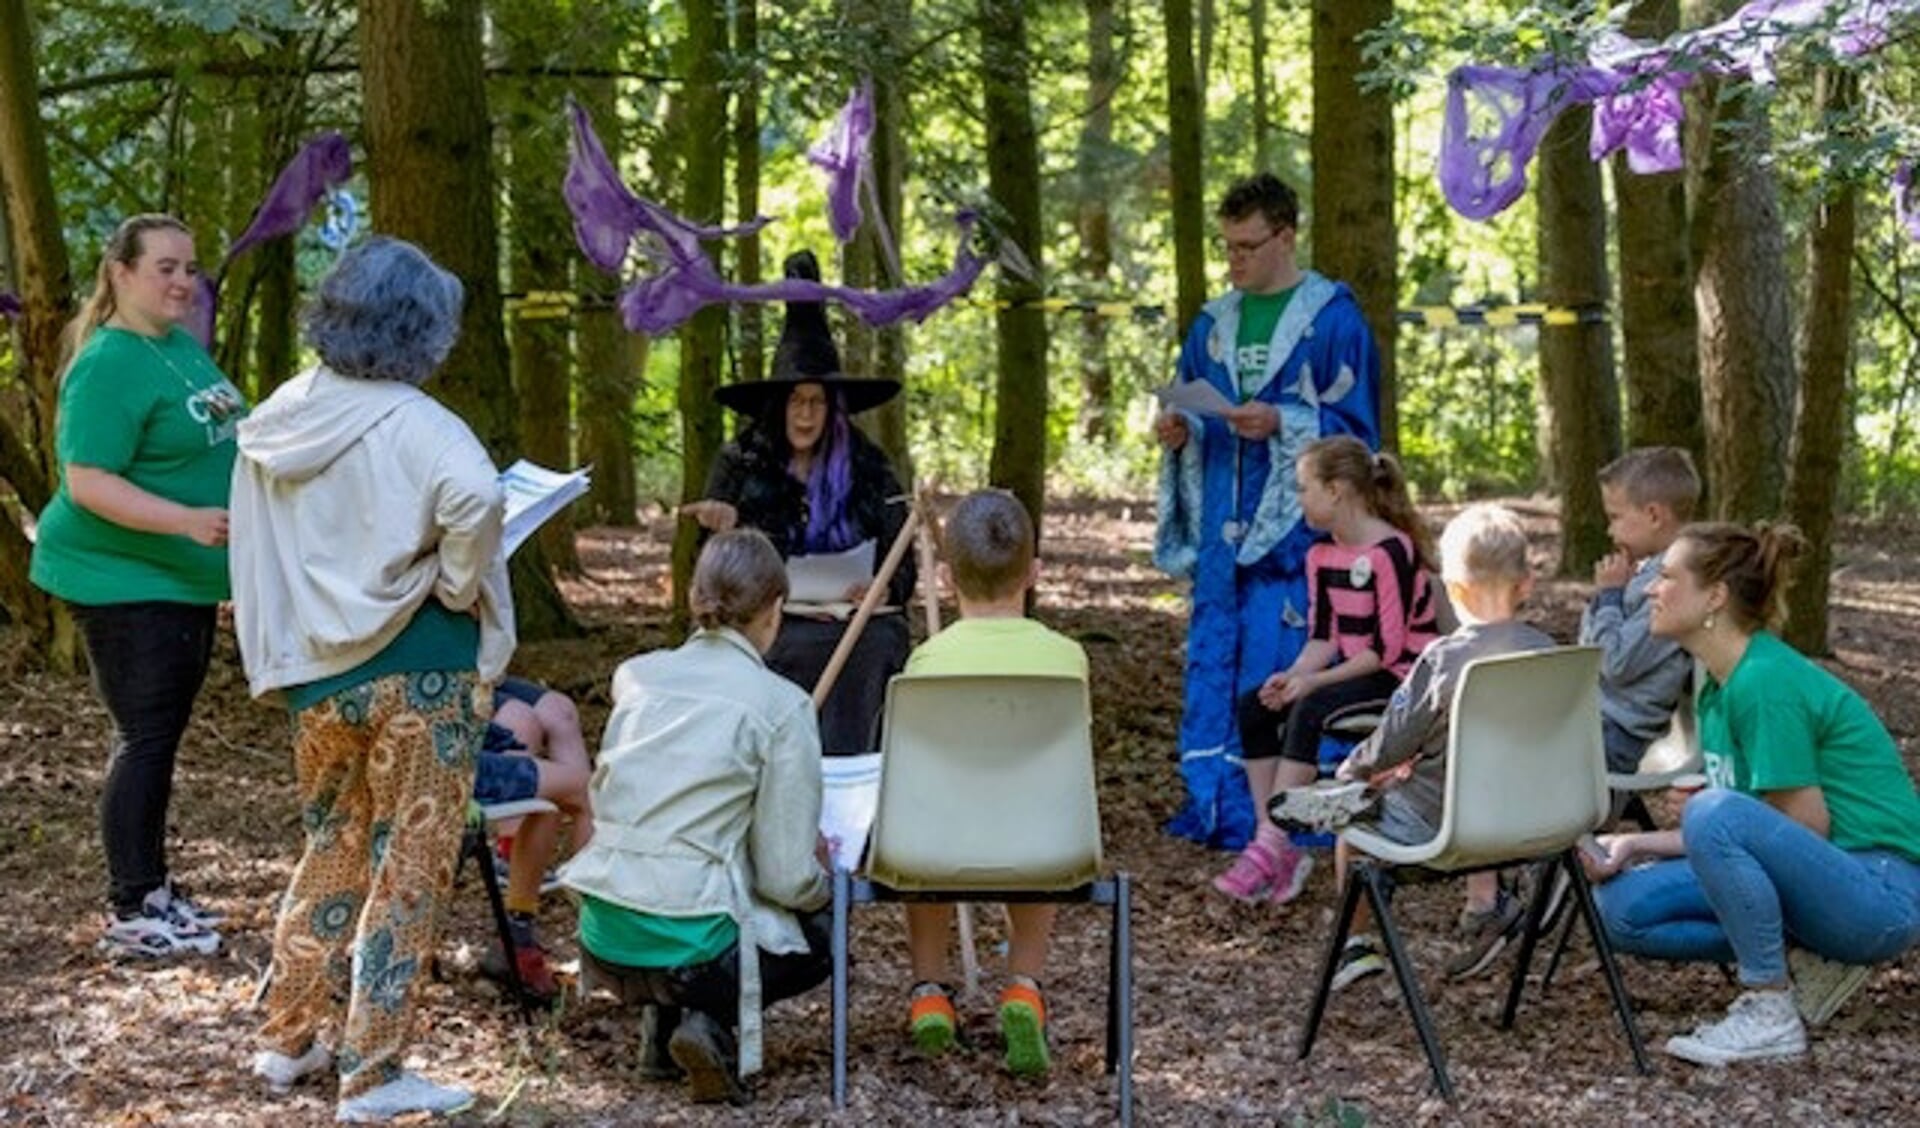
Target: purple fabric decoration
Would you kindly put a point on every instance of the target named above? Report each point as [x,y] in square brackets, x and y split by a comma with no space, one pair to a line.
[320,166]
[1495,119]
[842,155]
[1645,122]
[206,300]
[607,217]
[1906,199]
[10,306]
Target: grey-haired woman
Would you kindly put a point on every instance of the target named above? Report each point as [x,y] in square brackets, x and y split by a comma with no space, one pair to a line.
[370,592]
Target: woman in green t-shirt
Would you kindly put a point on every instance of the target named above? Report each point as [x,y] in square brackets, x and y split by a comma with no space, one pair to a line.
[1801,863]
[134,541]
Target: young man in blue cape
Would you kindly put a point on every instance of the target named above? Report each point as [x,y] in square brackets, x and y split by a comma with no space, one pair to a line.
[1291,351]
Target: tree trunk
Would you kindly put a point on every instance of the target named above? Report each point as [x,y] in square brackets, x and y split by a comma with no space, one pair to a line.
[1354,236]
[542,250]
[1019,461]
[39,261]
[1740,292]
[703,340]
[1658,326]
[1576,361]
[431,182]
[1096,221]
[1825,349]
[751,355]
[1186,127]
[1262,86]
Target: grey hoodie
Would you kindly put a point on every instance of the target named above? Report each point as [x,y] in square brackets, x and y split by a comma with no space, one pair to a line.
[353,502]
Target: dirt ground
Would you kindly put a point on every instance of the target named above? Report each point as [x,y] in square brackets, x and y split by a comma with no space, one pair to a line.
[1221,988]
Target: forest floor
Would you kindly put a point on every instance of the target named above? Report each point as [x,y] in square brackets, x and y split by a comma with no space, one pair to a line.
[1221,988]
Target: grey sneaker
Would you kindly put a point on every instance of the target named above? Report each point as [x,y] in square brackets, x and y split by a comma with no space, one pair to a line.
[704,1049]
[282,1073]
[1759,1025]
[1484,936]
[1359,958]
[1822,986]
[404,1095]
[1320,806]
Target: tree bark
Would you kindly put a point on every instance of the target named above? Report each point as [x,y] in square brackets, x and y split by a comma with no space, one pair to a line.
[1576,361]
[40,267]
[1019,460]
[1740,293]
[1186,126]
[1095,221]
[1825,353]
[429,148]
[1658,326]
[703,340]
[1355,238]
[751,354]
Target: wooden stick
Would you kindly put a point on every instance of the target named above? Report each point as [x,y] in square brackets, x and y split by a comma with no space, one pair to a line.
[875,594]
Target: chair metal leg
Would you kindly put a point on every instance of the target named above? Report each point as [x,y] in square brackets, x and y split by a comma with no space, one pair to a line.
[1536,912]
[842,897]
[1559,948]
[476,847]
[1378,896]
[1122,990]
[1342,925]
[1615,985]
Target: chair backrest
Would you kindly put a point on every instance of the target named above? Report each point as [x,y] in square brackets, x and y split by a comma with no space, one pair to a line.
[1526,773]
[986,782]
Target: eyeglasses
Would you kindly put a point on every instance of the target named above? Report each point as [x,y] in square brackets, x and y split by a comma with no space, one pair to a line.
[1238,248]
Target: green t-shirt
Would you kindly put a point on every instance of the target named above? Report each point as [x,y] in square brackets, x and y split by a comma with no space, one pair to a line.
[434,639]
[1782,722]
[620,935]
[999,646]
[157,412]
[1259,313]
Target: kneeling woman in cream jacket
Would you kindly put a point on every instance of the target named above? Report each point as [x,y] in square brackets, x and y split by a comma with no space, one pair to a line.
[703,885]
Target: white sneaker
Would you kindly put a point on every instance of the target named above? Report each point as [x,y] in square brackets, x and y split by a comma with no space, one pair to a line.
[175,902]
[1822,986]
[1320,806]
[282,1073]
[1759,1025]
[154,934]
[405,1094]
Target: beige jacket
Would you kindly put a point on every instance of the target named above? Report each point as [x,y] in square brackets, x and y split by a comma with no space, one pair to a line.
[354,501]
[706,800]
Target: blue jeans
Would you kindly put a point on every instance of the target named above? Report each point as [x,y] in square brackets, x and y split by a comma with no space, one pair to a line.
[1753,880]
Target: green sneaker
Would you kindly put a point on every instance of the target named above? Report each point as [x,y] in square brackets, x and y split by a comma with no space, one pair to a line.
[931,1019]
[1023,1024]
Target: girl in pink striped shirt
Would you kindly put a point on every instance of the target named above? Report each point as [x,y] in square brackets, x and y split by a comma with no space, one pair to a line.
[1373,610]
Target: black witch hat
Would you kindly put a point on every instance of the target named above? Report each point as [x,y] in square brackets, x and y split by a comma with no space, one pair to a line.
[806,354]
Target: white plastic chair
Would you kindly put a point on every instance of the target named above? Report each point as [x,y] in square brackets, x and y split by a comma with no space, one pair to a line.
[987,794]
[1526,777]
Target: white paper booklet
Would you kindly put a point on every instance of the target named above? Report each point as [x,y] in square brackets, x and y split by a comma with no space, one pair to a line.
[824,577]
[1196,396]
[535,493]
[849,798]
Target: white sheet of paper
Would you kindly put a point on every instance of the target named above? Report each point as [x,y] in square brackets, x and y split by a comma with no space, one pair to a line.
[849,798]
[533,494]
[1194,395]
[824,577]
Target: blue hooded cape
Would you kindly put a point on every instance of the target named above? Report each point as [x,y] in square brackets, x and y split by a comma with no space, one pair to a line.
[1230,521]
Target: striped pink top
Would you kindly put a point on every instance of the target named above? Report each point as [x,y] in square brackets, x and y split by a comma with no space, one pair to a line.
[1375,597]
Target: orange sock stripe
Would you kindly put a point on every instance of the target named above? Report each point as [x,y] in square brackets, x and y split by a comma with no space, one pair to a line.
[932,1006]
[1019,993]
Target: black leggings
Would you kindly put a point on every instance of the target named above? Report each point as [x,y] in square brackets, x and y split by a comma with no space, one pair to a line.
[148,662]
[1292,732]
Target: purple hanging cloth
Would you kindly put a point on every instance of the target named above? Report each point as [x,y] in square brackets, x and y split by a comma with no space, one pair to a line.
[842,155]
[1495,119]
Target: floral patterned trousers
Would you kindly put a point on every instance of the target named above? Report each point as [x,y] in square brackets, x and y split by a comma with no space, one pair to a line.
[384,770]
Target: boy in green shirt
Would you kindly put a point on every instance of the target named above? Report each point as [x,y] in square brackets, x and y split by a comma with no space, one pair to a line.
[988,539]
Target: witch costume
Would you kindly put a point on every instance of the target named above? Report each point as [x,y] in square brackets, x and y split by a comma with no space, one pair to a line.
[1230,520]
[850,495]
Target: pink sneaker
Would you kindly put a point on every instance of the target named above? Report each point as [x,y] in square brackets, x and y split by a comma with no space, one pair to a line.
[1290,876]
[1251,874]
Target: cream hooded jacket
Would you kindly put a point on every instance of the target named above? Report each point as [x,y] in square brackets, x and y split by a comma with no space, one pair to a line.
[353,502]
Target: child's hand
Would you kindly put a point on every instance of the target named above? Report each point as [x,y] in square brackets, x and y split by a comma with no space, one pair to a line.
[1613,570]
[1605,855]
[1273,691]
[1297,687]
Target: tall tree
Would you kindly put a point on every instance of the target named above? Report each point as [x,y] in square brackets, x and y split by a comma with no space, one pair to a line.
[1186,125]
[38,256]
[702,342]
[750,358]
[1355,238]
[1826,345]
[1740,291]
[1658,326]
[1576,361]
[1019,461]
[431,182]
[1095,220]
[1262,86]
